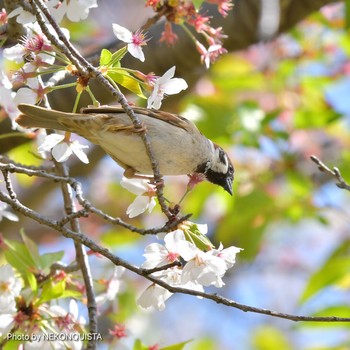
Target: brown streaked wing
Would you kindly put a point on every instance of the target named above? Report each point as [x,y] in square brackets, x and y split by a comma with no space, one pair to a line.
[166,117]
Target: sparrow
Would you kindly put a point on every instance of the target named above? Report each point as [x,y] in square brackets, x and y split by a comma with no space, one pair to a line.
[178,146]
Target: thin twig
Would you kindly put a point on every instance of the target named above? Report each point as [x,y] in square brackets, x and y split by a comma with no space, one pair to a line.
[68,269]
[81,238]
[163,11]
[335,173]
[8,184]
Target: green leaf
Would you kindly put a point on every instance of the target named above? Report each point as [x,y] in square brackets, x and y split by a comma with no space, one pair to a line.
[25,256]
[333,270]
[11,345]
[32,248]
[32,281]
[270,338]
[46,260]
[197,3]
[118,237]
[117,56]
[18,255]
[138,345]
[178,346]
[194,235]
[105,57]
[52,290]
[207,344]
[125,79]
[347,14]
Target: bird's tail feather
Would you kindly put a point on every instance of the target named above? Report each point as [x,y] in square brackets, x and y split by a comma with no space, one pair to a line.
[39,117]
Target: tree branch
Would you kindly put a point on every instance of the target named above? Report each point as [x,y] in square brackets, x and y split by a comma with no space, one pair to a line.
[335,173]
[82,239]
[87,205]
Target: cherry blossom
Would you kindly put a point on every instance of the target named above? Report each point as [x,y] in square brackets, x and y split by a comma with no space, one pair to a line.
[7,322]
[227,254]
[62,149]
[203,268]
[165,85]
[34,43]
[10,287]
[154,297]
[158,255]
[3,17]
[168,36]
[75,10]
[134,40]
[23,17]
[211,54]
[119,331]
[113,287]
[6,98]
[224,6]
[145,196]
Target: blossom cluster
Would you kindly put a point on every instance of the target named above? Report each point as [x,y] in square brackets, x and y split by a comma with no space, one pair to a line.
[185,13]
[201,268]
[19,317]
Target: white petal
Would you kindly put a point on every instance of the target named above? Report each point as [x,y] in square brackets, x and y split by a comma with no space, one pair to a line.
[151,99]
[174,86]
[166,76]
[4,81]
[61,152]
[187,250]
[59,12]
[156,255]
[172,238]
[50,141]
[14,53]
[154,297]
[213,48]
[25,95]
[6,323]
[151,204]
[135,186]
[7,304]
[203,228]
[122,33]
[50,59]
[76,147]
[33,83]
[136,51]
[75,10]
[155,100]
[138,206]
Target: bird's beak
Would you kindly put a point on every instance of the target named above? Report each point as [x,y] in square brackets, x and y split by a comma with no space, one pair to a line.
[228,186]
